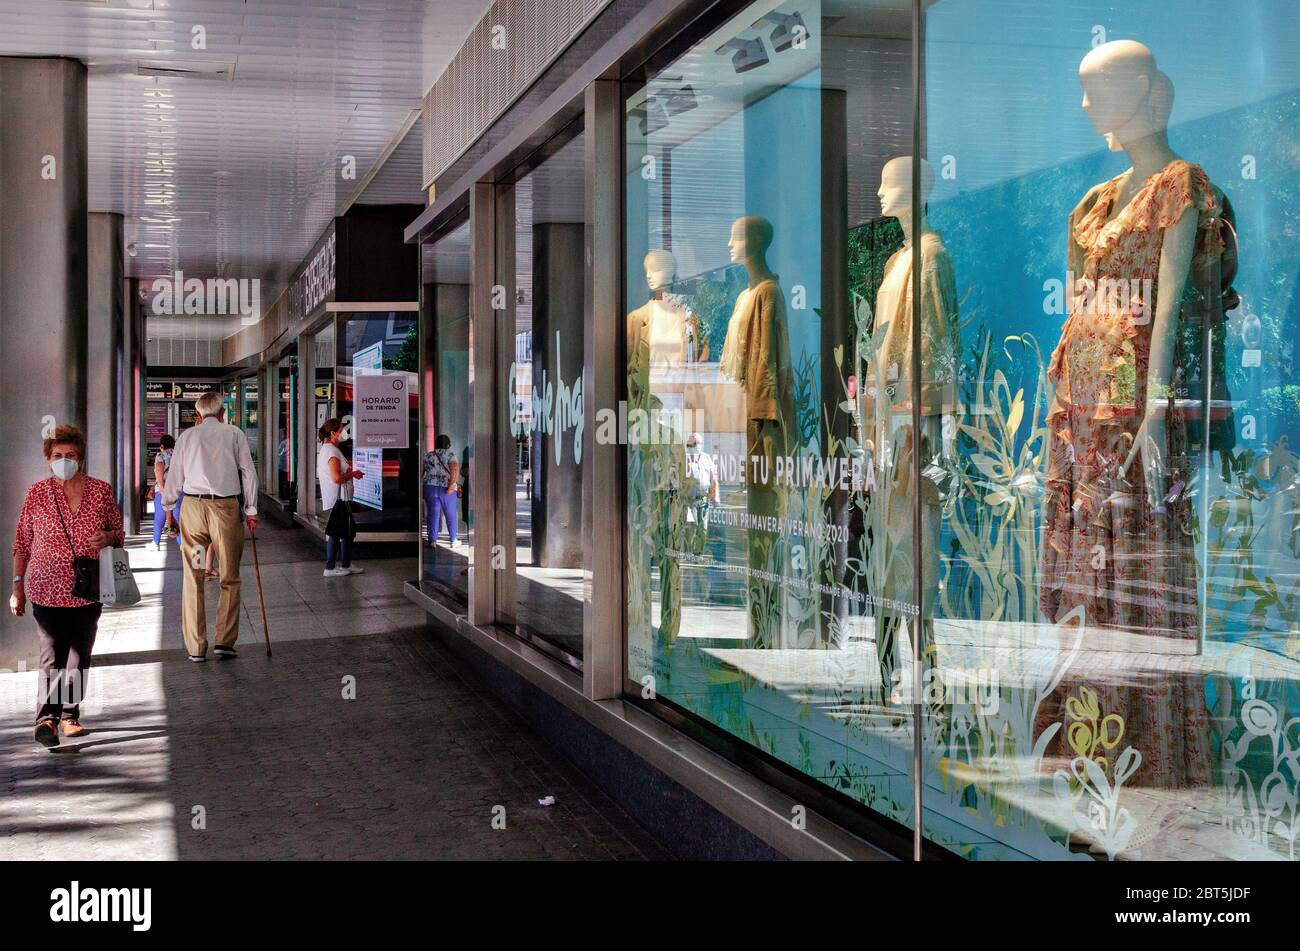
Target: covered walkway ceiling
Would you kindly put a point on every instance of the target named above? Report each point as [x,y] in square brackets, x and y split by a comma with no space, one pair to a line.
[222,129]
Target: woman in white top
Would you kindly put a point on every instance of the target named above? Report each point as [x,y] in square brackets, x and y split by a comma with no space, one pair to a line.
[162,464]
[334,474]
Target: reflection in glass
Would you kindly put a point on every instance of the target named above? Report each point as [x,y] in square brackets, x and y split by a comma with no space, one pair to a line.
[248,413]
[770,588]
[544,391]
[286,428]
[322,397]
[448,388]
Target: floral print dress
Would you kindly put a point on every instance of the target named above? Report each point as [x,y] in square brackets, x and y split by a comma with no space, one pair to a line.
[1125,558]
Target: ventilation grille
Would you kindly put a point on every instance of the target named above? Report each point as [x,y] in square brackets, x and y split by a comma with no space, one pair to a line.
[482,80]
[178,352]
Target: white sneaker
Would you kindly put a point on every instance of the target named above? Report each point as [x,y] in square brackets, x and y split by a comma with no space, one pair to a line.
[354,570]
[336,573]
[152,546]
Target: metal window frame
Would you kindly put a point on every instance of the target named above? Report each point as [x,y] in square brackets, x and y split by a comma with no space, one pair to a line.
[504,327]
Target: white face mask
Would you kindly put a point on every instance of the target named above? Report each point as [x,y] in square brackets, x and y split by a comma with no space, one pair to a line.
[64,469]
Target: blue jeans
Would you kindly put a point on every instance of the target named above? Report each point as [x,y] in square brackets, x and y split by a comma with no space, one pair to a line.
[340,549]
[440,505]
[160,515]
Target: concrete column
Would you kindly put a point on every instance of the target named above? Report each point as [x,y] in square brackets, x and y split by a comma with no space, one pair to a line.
[558,282]
[42,286]
[105,417]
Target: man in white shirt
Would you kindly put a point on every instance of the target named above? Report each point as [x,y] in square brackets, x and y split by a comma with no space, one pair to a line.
[211,466]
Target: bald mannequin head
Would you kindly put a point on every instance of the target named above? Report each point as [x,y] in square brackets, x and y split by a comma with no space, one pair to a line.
[660,270]
[1125,94]
[896,186]
[751,236]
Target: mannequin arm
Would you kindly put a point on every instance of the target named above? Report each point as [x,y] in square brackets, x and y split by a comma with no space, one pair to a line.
[1175,267]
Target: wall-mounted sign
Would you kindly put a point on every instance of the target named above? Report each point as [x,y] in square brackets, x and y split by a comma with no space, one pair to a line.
[381,417]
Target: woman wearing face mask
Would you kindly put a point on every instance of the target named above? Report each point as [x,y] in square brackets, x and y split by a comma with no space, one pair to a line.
[335,476]
[62,517]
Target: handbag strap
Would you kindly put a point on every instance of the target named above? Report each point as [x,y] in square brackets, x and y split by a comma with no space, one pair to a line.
[71,547]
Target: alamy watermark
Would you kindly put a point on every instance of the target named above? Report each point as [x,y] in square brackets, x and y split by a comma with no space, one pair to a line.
[1100,297]
[176,295]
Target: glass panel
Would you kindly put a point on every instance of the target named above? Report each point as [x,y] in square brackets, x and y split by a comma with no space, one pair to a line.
[543,387]
[1112,500]
[248,413]
[448,413]
[769,562]
[381,440]
[286,429]
[322,399]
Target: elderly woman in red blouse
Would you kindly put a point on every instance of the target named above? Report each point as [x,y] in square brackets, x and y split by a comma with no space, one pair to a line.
[68,515]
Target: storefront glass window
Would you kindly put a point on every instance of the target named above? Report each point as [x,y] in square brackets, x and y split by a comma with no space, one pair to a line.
[286,427]
[994,446]
[230,399]
[544,391]
[322,393]
[770,583]
[1110,472]
[248,413]
[380,421]
[448,402]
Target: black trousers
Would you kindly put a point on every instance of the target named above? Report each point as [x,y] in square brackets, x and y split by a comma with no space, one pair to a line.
[67,640]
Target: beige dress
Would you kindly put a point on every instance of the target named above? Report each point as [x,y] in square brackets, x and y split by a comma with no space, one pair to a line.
[889,417]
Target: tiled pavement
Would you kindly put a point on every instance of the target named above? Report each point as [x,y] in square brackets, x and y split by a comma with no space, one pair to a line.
[257,758]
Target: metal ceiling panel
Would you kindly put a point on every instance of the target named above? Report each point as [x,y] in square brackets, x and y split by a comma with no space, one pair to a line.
[255,123]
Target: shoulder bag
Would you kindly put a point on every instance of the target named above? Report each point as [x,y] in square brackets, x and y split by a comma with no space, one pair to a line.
[85,570]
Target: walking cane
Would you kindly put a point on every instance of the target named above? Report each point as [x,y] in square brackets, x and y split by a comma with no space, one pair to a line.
[257,571]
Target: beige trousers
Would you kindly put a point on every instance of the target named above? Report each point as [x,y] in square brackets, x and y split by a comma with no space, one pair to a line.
[213,522]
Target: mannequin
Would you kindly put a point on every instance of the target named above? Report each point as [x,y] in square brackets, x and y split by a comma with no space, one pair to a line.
[889,412]
[669,330]
[1117,537]
[662,337]
[756,354]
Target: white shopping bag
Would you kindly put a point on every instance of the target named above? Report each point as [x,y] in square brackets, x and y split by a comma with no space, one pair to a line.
[116,583]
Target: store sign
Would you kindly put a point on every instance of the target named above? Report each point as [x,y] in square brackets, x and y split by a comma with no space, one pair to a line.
[192,391]
[380,413]
[315,284]
[178,389]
